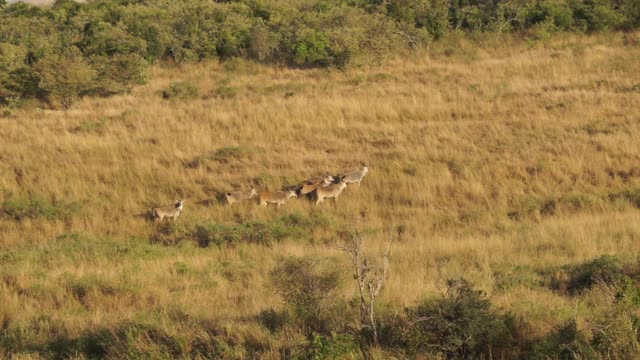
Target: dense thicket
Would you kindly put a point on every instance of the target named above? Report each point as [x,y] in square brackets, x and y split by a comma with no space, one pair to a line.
[104,46]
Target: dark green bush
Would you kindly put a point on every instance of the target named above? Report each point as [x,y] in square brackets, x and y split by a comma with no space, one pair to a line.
[596,15]
[559,13]
[566,342]
[462,325]
[611,333]
[606,270]
[274,320]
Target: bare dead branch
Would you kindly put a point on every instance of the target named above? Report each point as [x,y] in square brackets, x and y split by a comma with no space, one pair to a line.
[370,280]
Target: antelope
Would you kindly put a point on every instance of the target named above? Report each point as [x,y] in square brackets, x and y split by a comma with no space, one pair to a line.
[170,211]
[356,176]
[238,196]
[277,197]
[315,183]
[331,191]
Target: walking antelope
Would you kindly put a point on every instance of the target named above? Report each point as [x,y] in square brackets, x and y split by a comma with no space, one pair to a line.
[170,211]
[331,191]
[315,183]
[356,176]
[238,196]
[276,197]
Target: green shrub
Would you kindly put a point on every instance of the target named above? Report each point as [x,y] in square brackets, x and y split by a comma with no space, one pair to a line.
[579,201]
[34,206]
[311,48]
[558,13]
[263,43]
[605,270]
[309,290]
[631,11]
[222,155]
[334,346]
[226,154]
[525,207]
[615,332]
[516,277]
[226,91]
[119,73]
[462,325]
[595,15]
[181,90]
[169,234]
[88,126]
[255,232]
[274,320]
[632,196]
[566,342]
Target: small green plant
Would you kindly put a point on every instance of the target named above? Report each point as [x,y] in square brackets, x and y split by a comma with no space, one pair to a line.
[255,232]
[88,126]
[181,90]
[227,154]
[35,206]
[168,234]
[334,346]
[632,196]
[519,276]
[579,201]
[226,92]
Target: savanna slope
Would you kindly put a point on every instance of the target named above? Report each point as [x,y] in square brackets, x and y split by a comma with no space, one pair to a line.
[504,163]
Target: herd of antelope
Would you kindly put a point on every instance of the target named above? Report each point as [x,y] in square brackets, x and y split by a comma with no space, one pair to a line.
[324,187]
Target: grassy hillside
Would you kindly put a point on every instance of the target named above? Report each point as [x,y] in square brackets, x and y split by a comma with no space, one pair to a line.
[504,163]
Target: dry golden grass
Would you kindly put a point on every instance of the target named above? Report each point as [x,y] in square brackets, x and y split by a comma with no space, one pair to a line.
[464,152]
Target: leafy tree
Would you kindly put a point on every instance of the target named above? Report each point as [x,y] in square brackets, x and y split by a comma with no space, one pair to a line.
[65,77]
[119,73]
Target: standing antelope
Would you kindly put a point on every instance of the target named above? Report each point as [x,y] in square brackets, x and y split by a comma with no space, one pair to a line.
[356,176]
[315,183]
[238,196]
[331,191]
[170,211]
[276,197]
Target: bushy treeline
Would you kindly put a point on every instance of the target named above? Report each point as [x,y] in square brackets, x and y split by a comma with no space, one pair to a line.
[104,47]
